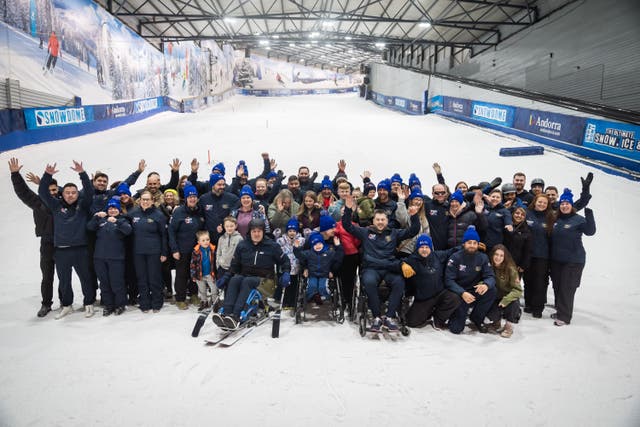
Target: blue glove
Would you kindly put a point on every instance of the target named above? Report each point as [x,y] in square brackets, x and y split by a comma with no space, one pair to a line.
[222,281]
[285,279]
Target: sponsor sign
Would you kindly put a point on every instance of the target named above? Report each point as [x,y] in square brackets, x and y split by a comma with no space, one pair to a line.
[551,125]
[39,118]
[436,103]
[144,105]
[616,138]
[502,115]
[459,106]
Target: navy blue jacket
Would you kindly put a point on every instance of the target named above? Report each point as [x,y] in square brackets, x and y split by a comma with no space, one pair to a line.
[429,277]
[464,271]
[389,208]
[320,264]
[566,237]
[149,231]
[438,222]
[183,225]
[110,236]
[378,245]
[537,223]
[215,208]
[69,221]
[100,198]
[519,244]
[42,217]
[497,218]
[459,224]
[259,259]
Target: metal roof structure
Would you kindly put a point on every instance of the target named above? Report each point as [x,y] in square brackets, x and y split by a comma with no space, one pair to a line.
[336,34]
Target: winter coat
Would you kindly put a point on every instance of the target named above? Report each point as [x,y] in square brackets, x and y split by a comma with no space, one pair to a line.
[42,217]
[225,249]
[335,210]
[287,246]
[258,259]
[518,242]
[195,267]
[507,286]
[437,215]
[497,219]
[280,219]
[464,271]
[215,209]
[158,196]
[566,237]
[110,236]
[378,246]
[183,225]
[100,198]
[537,222]
[310,220]
[255,214]
[320,264]
[397,214]
[149,231]
[409,245]
[69,221]
[350,244]
[429,278]
[459,224]
[366,207]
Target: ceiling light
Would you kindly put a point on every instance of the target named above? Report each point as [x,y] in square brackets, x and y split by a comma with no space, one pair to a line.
[380,45]
[307,45]
[328,45]
[301,60]
[348,38]
[264,42]
[275,36]
[424,25]
[292,45]
[314,41]
[314,34]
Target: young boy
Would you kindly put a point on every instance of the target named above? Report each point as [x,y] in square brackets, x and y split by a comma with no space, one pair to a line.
[319,263]
[111,229]
[227,245]
[203,268]
[292,239]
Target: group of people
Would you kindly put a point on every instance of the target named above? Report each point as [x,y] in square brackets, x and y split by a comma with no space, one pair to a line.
[457,252]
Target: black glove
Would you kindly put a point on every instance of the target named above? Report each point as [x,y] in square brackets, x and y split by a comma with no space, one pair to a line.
[493,184]
[586,183]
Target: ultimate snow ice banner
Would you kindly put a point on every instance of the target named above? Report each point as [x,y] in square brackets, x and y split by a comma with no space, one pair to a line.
[99,59]
[615,143]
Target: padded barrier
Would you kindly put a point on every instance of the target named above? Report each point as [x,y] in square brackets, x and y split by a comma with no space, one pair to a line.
[535,150]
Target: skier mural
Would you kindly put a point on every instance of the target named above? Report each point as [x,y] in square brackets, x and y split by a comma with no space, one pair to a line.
[82,50]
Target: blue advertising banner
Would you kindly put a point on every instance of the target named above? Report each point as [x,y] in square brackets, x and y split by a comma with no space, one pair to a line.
[457,105]
[436,103]
[149,104]
[615,138]
[110,111]
[552,125]
[39,118]
[409,106]
[501,115]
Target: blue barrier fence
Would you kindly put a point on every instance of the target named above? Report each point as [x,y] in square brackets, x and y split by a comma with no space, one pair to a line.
[294,92]
[409,106]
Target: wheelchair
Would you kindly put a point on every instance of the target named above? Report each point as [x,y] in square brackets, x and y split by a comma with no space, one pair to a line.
[336,310]
[362,315]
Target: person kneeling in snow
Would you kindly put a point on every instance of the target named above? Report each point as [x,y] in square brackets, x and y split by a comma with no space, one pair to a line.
[251,268]
[424,271]
[469,275]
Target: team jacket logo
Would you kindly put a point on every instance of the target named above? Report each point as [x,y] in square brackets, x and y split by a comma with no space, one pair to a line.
[433,212]
[188,220]
[208,207]
[136,219]
[225,206]
[567,226]
[462,268]
[63,210]
[149,220]
[478,268]
[372,236]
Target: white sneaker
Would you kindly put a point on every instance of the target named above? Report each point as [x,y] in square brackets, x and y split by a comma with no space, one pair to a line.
[88,310]
[66,310]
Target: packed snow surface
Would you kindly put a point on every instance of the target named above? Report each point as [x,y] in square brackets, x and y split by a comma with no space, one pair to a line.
[146,370]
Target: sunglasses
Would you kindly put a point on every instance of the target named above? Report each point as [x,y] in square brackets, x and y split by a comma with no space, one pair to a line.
[439,193]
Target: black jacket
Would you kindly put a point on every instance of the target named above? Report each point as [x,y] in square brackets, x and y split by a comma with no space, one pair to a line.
[429,277]
[519,244]
[149,231]
[258,259]
[42,217]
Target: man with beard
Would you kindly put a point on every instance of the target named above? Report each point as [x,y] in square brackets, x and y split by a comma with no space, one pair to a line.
[216,205]
[519,180]
[469,275]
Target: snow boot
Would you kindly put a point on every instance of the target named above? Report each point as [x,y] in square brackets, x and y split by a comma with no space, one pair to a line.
[507,331]
[66,310]
[231,322]
[88,310]
[119,310]
[496,326]
[203,306]
[44,310]
[107,311]
[182,305]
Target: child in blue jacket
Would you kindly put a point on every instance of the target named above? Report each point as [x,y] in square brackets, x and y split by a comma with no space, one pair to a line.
[319,263]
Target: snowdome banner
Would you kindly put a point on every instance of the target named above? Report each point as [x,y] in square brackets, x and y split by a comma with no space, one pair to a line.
[75,48]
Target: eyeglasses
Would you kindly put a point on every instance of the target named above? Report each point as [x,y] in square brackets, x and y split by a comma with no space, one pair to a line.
[439,193]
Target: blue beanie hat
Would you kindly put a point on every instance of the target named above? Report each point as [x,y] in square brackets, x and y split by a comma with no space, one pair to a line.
[244,167]
[246,191]
[396,178]
[114,202]
[414,181]
[123,188]
[326,183]
[326,223]
[190,190]
[315,237]
[470,234]
[385,184]
[218,167]
[457,196]
[423,240]
[416,193]
[215,177]
[293,224]
[368,187]
[567,196]
[270,175]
